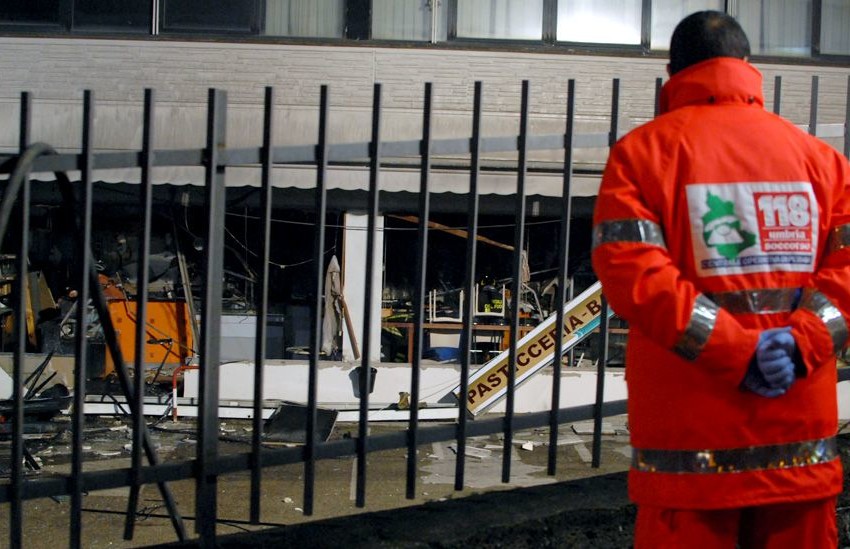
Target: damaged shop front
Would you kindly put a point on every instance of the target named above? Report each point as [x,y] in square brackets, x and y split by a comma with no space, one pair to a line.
[176,255]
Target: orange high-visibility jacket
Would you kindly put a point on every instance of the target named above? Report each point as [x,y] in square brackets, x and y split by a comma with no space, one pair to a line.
[715,221]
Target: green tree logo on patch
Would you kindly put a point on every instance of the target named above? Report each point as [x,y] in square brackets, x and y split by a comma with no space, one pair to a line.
[722,228]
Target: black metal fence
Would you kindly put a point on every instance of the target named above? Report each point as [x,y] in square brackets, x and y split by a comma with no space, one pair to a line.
[209,464]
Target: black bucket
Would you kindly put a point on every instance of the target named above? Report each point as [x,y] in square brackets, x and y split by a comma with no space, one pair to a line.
[355,379]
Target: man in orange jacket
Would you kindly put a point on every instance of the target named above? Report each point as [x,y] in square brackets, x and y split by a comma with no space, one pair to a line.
[722,235]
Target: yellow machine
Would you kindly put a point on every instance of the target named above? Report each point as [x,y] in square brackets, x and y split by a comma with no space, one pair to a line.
[168,333]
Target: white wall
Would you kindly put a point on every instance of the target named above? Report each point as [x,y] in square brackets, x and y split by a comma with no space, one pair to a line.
[57,70]
[354,283]
[287,380]
[844,400]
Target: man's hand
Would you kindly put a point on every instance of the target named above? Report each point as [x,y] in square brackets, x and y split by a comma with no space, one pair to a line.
[755,382]
[771,372]
[774,357]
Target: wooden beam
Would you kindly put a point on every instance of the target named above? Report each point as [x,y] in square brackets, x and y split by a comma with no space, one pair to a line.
[457,232]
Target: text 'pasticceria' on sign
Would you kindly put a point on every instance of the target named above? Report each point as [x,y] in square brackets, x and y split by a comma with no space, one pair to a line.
[534,351]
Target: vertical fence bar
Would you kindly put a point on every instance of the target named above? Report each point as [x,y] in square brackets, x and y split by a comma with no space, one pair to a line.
[316,312]
[143,277]
[419,290]
[813,107]
[603,320]
[615,112]
[16,517]
[262,305]
[777,94]
[658,86]
[847,121]
[80,343]
[206,487]
[365,366]
[600,384]
[563,264]
[516,286]
[467,335]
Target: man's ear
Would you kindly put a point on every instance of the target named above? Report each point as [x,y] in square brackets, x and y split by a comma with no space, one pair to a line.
[668,69]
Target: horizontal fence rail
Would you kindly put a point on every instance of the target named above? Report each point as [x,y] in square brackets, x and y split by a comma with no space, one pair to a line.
[353,152]
[209,463]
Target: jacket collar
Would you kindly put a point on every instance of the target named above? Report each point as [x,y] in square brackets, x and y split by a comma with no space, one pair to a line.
[717,80]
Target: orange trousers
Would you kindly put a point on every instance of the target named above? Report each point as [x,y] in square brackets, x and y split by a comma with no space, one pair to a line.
[810,525]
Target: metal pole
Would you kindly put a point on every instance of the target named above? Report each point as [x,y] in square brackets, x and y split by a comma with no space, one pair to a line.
[472,205]
[316,316]
[563,264]
[847,121]
[600,384]
[206,487]
[365,367]
[658,86]
[813,107]
[516,286]
[82,318]
[419,290]
[20,338]
[262,305]
[138,403]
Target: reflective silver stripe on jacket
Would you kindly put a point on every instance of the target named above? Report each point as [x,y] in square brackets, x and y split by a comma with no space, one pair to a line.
[762,302]
[628,230]
[703,319]
[829,314]
[738,460]
[839,237]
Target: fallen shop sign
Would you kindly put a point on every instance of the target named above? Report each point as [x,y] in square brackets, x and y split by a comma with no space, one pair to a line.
[535,351]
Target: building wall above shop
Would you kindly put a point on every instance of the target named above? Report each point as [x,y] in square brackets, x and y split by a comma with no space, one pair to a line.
[57,70]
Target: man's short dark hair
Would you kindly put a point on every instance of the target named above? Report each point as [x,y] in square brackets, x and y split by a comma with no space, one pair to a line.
[704,35]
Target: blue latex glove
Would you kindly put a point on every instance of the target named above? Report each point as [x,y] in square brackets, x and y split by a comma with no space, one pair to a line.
[771,372]
[756,383]
[774,357]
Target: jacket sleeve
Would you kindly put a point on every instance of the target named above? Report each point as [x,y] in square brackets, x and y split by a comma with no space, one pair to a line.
[820,322]
[644,285]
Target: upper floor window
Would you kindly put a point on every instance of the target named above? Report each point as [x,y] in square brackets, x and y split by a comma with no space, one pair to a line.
[228,16]
[31,13]
[112,15]
[89,15]
[502,19]
[305,18]
[776,27]
[419,20]
[600,21]
[835,27]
